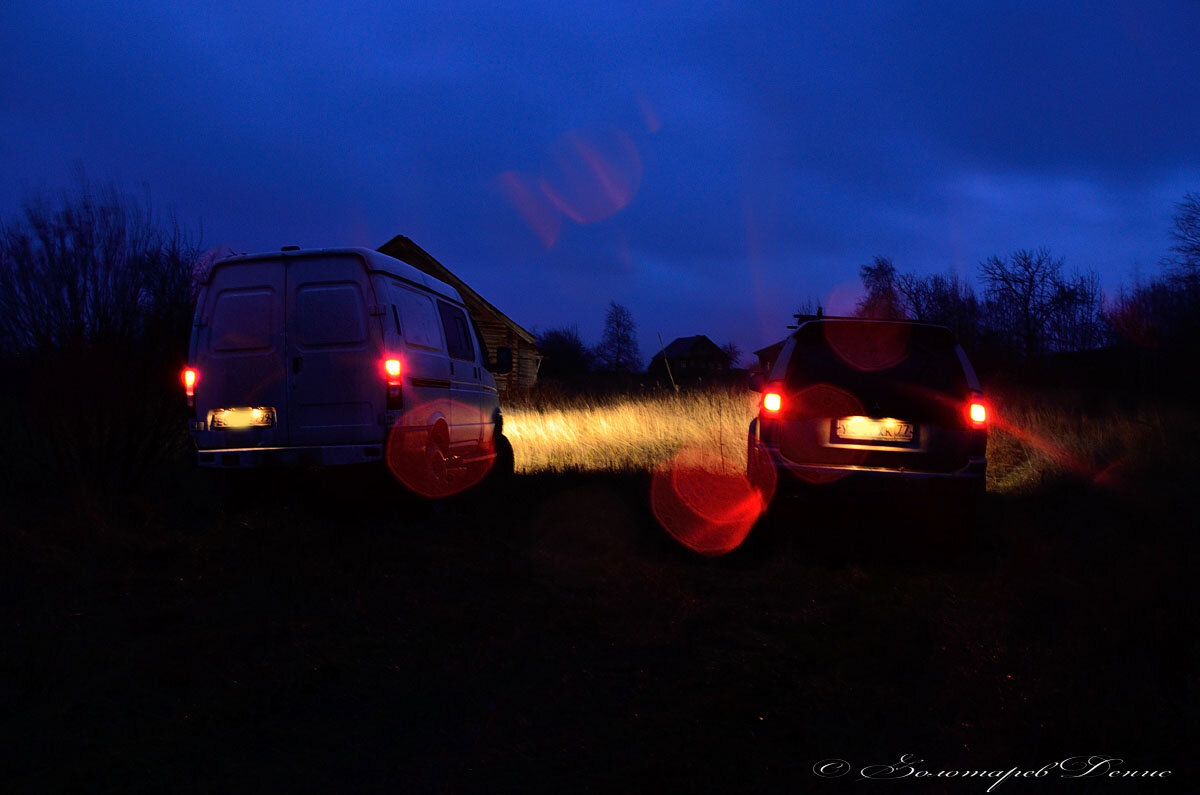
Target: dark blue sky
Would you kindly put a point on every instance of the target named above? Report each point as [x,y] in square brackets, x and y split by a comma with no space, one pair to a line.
[710,165]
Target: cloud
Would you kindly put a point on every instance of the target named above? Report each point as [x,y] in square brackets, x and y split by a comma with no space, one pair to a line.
[779,146]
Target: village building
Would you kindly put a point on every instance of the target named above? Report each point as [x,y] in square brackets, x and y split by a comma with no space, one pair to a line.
[767,356]
[497,328]
[690,360]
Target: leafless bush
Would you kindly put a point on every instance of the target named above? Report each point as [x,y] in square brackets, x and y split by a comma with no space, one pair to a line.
[95,305]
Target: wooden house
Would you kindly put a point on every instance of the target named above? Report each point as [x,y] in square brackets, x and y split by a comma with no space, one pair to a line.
[497,328]
[690,360]
[767,356]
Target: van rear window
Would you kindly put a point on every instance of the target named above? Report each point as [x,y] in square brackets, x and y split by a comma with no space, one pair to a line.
[329,314]
[241,319]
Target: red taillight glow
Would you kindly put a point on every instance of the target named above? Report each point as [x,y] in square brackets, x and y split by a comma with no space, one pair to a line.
[977,413]
[772,402]
[391,368]
[189,378]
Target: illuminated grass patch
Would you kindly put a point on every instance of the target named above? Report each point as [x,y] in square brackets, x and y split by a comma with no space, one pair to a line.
[1034,437]
[628,433]
[1038,437]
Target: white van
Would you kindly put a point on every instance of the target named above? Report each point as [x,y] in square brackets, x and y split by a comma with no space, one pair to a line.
[342,356]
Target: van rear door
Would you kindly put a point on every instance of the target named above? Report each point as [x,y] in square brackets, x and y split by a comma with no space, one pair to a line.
[239,350]
[334,358]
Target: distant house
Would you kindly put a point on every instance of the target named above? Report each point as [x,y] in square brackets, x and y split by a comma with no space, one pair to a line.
[497,328]
[767,356]
[691,360]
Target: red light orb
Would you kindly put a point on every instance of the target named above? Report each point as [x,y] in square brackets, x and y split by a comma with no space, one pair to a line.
[704,505]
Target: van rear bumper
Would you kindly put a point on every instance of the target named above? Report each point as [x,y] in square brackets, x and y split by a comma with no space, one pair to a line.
[324,455]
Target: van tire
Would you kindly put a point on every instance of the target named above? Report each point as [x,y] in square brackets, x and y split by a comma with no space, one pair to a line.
[435,469]
[505,464]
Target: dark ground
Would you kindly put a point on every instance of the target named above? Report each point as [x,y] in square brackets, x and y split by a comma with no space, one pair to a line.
[326,632]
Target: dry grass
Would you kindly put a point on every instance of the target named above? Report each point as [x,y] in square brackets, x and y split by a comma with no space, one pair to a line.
[1036,436]
[630,433]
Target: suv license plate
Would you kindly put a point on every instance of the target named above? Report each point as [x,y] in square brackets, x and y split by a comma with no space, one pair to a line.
[865,429]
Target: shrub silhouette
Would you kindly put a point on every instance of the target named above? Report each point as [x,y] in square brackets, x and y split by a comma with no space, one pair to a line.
[95,307]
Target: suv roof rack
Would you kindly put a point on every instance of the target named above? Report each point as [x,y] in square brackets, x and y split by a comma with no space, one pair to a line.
[802,318]
[820,315]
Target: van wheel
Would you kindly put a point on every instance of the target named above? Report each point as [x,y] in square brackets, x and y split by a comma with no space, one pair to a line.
[436,469]
[505,464]
[490,476]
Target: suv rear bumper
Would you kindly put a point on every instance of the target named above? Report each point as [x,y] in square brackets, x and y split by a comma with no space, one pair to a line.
[969,479]
[902,484]
[324,455]
[975,470]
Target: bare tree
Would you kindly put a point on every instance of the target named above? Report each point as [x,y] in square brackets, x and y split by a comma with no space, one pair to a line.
[95,308]
[733,351]
[1075,320]
[567,358]
[883,298]
[618,348]
[93,268]
[1021,293]
[1185,232]
[915,295]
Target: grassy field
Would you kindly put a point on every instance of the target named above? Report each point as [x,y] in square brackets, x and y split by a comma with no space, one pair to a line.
[325,631]
[1035,437]
[630,433]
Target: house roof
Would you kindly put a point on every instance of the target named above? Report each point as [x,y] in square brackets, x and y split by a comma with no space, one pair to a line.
[405,250]
[685,347]
[771,351]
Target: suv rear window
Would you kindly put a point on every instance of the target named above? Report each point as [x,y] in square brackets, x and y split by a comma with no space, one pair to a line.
[853,355]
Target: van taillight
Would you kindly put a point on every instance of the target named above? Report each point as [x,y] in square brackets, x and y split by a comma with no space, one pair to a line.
[190,377]
[977,412]
[391,369]
[772,402]
[393,375]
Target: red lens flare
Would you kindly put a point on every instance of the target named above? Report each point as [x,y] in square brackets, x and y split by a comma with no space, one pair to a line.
[868,346]
[1060,455]
[526,197]
[819,405]
[1113,476]
[703,504]
[761,471]
[591,175]
[419,455]
[649,114]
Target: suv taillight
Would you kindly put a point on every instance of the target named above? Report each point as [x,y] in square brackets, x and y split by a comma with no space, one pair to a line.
[977,413]
[772,402]
[393,375]
[190,376]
